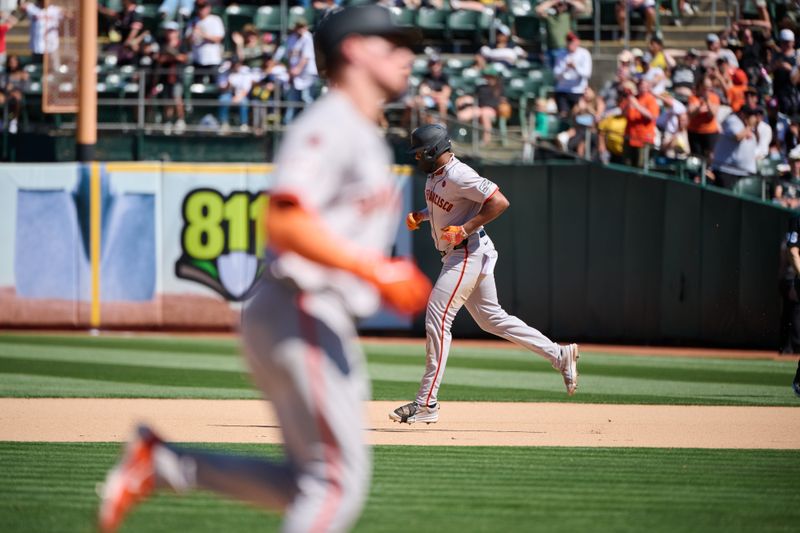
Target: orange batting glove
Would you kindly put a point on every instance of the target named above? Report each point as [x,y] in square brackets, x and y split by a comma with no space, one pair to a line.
[454,234]
[414,220]
[400,283]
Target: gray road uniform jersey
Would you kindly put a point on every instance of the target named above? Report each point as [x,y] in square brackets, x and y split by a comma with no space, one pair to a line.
[455,194]
[299,333]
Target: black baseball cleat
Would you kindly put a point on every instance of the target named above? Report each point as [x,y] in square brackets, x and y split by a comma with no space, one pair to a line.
[412,412]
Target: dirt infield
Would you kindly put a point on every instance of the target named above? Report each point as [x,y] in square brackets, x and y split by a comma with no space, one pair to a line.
[461,423]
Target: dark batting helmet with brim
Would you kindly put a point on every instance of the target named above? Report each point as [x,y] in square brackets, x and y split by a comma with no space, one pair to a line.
[432,140]
[356,20]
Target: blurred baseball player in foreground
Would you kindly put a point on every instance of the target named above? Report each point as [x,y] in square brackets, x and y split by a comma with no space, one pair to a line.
[459,204]
[332,217]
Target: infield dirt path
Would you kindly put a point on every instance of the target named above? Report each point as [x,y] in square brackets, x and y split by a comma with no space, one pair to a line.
[461,423]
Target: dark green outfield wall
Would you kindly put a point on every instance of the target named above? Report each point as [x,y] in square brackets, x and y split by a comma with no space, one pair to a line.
[594,254]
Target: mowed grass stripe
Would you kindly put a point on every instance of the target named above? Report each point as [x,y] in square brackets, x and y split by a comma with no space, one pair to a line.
[463,489]
[137,342]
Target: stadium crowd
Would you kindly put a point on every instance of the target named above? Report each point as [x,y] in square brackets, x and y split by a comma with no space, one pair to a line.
[733,106]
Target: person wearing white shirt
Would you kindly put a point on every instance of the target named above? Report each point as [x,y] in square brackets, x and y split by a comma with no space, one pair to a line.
[672,123]
[43,28]
[206,33]
[655,75]
[504,51]
[299,52]
[572,71]
[236,85]
[763,134]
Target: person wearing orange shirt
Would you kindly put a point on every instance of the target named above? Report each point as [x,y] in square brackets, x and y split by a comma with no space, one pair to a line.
[641,110]
[737,89]
[703,126]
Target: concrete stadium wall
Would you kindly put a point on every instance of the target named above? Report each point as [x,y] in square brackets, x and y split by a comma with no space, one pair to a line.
[594,254]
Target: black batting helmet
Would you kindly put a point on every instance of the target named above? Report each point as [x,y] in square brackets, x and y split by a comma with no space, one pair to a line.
[432,140]
[356,20]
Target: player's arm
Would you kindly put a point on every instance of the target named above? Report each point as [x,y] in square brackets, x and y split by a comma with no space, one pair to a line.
[490,210]
[293,228]
[415,218]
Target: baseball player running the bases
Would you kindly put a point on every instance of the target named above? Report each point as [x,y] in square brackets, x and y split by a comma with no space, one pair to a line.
[459,204]
[332,219]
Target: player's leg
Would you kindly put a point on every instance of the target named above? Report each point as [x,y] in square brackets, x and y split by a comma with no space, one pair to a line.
[310,369]
[451,290]
[485,308]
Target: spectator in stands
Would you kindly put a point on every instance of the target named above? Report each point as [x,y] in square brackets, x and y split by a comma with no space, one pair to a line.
[434,89]
[787,190]
[611,130]
[249,46]
[645,8]
[715,51]
[792,138]
[8,22]
[737,89]
[170,61]
[659,58]
[703,126]
[43,28]
[779,123]
[584,117]
[504,51]
[272,77]
[672,123]
[735,150]
[205,33]
[759,20]
[752,56]
[485,105]
[236,85]
[128,24]
[684,75]
[572,72]
[323,6]
[785,74]
[482,6]
[655,76]
[641,110]
[763,135]
[176,9]
[558,16]
[300,59]
[15,81]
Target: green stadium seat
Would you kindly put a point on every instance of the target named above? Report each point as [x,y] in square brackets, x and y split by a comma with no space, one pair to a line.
[420,66]
[463,25]
[116,5]
[268,18]
[237,16]
[432,23]
[749,187]
[403,17]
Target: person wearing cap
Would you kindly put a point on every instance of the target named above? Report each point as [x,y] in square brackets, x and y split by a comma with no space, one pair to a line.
[715,51]
[703,126]
[205,33]
[684,75]
[334,207]
[169,64]
[434,88]
[785,75]
[300,59]
[789,287]
[249,47]
[558,16]
[654,75]
[672,123]
[504,51]
[645,8]
[641,110]
[737,89]
[658,57]
[572,72]
[485,105]
[735,150]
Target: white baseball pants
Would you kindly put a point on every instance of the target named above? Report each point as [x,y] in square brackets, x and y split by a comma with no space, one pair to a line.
[467,279]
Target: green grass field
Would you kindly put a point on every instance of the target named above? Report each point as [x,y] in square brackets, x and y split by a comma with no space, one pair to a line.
[46,487]
[141,367]
[50,487]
